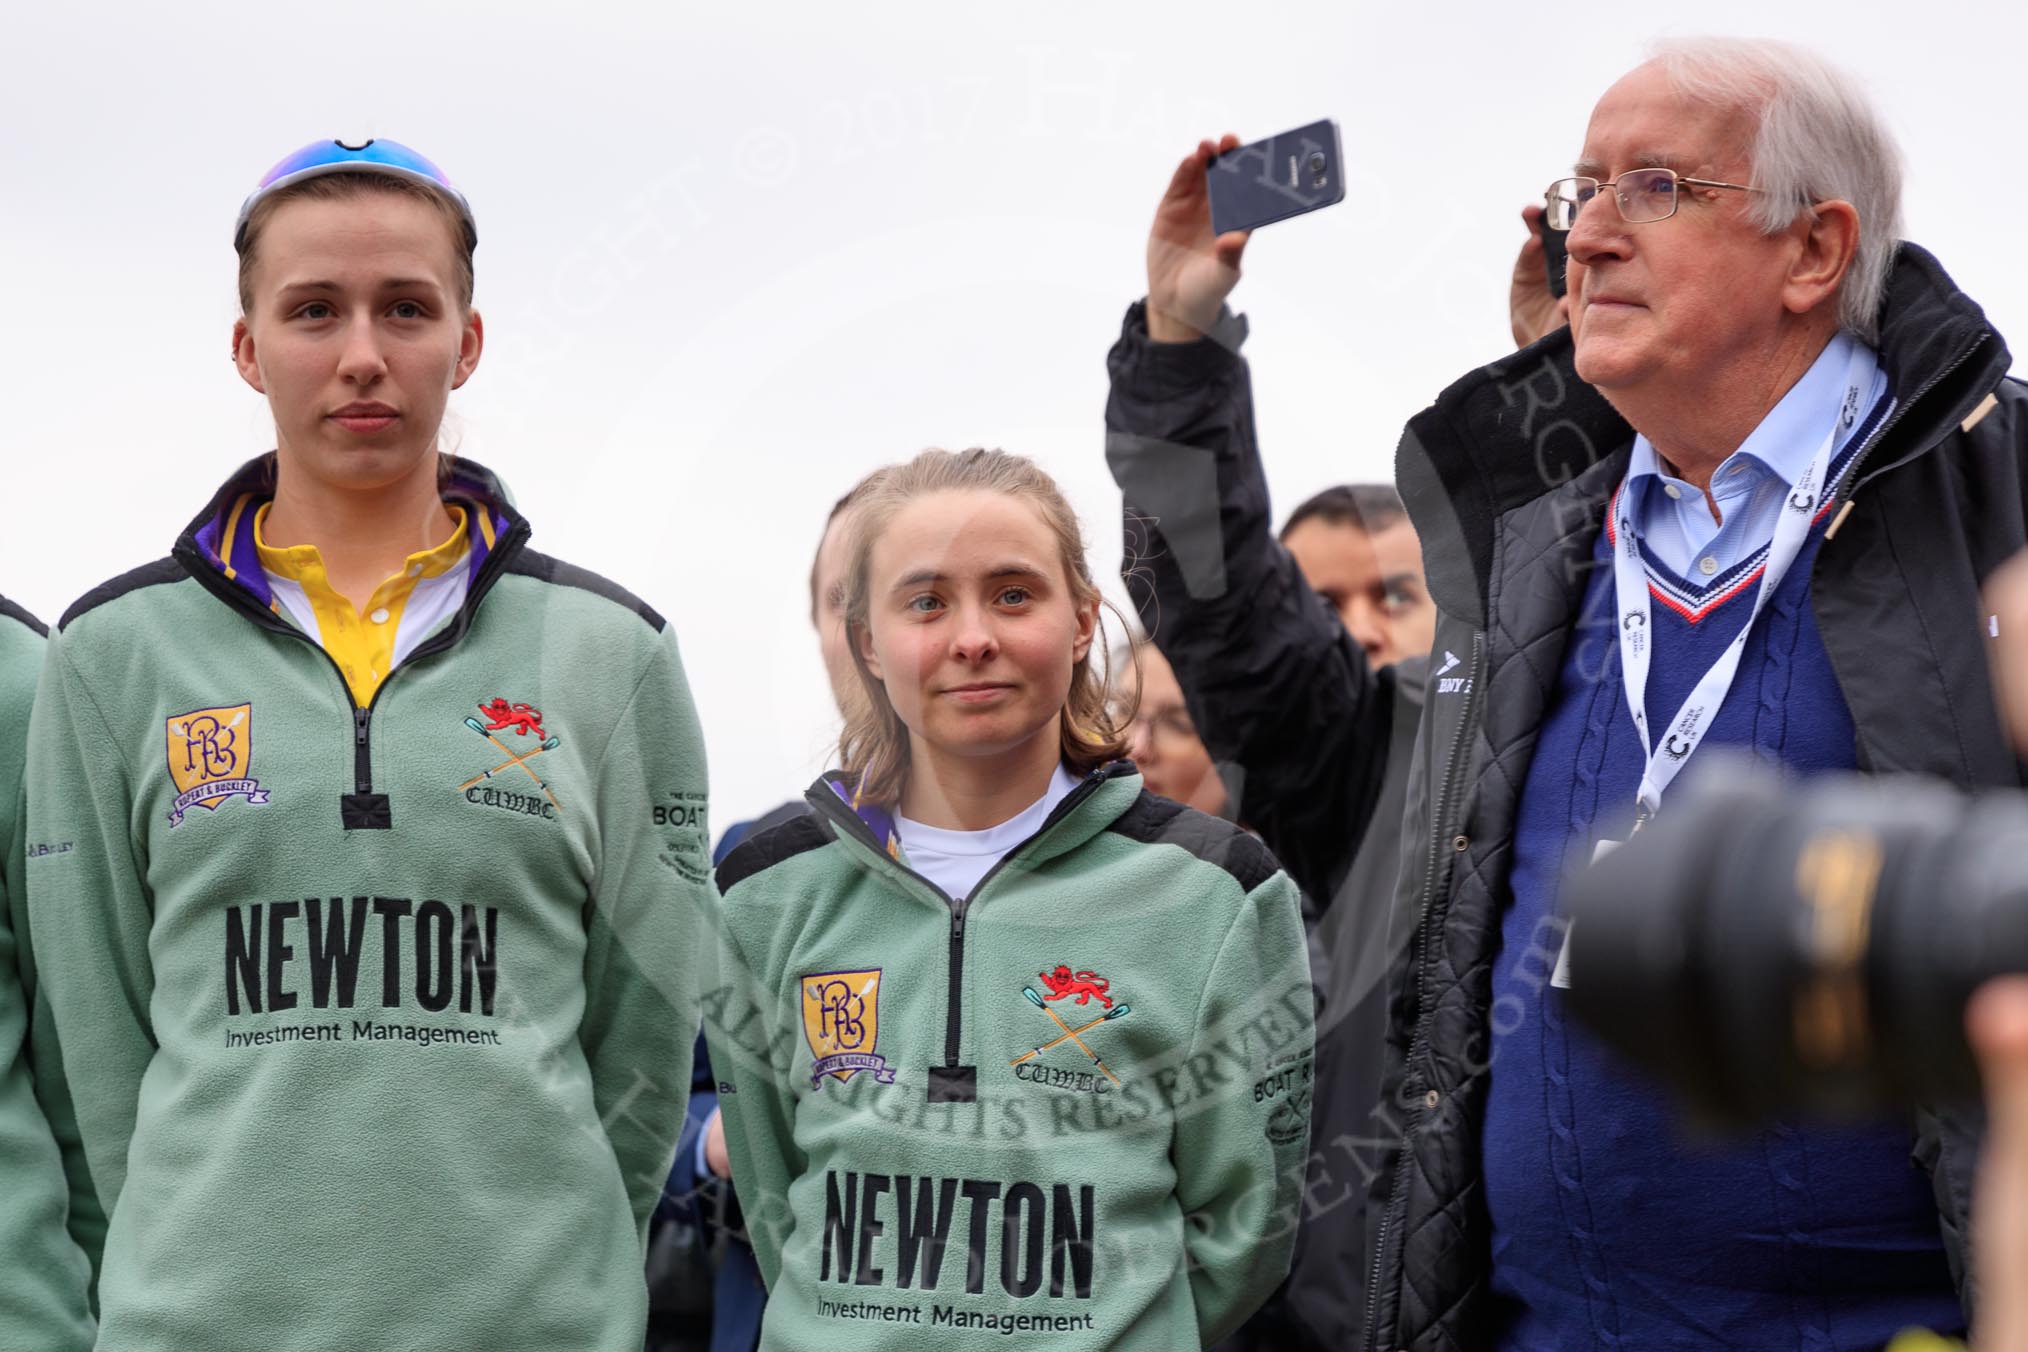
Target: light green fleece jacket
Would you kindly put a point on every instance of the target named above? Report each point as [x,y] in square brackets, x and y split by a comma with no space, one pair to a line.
[377,1021]
[1069,1110]
[45,1274]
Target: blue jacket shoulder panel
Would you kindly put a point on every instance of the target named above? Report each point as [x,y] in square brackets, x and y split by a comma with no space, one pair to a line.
[544,568]
[1159,821]
[762,850]
[23,618]
[155,574]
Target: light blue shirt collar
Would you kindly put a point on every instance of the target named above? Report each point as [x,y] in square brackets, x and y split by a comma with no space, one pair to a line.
[1787,437]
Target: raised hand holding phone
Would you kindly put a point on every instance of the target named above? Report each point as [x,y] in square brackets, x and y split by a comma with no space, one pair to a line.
[1288,174]
[1191,268]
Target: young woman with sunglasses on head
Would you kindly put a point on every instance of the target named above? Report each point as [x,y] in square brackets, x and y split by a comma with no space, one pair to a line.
[1009,1044]
[375,850]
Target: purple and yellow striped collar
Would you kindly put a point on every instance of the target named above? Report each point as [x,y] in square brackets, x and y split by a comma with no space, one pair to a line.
[226,540]
[877,818]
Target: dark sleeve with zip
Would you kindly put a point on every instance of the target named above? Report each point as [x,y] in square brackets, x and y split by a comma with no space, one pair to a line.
[1282,696]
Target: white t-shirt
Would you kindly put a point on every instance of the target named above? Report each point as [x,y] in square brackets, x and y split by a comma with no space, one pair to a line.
[956,860]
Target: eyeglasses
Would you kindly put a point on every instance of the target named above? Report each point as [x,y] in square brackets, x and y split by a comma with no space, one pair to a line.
[335,157]
[1643,195]
[1172,721]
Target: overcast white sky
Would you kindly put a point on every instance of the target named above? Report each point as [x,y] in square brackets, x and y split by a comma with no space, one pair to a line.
[733,257]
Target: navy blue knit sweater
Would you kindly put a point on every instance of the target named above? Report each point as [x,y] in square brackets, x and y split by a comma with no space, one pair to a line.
[1613,1227]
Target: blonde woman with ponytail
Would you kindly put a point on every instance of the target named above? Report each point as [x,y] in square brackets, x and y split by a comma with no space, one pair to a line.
[1006,1044]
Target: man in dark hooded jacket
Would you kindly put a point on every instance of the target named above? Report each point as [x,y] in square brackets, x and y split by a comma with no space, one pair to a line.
[1301,660]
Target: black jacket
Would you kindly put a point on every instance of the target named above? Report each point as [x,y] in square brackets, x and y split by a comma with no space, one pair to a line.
[704,1284]
[1313,746]
[1507,478]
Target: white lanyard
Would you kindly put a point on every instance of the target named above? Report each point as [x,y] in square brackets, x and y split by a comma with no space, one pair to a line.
[1630,583]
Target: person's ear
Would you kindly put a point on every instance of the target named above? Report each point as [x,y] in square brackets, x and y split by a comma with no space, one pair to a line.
[244,356]
[1825,252]
[862,639]
[1087,627]
[471,342]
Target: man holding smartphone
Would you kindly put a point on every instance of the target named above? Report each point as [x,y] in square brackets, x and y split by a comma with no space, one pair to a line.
[1301,662]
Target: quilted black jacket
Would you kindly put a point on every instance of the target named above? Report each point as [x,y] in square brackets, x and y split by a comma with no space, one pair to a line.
[1507,477]
[1313,745]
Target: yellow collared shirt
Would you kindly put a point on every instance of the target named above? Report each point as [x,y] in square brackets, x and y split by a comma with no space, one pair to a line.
[404,609]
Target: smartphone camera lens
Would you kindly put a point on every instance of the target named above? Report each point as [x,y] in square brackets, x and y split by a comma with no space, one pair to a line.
[1317,167]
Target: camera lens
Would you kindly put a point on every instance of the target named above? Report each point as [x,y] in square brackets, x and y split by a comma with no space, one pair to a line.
[1769,948]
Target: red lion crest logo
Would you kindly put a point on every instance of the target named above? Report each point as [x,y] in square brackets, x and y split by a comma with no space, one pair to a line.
[525,719]
[1086,986]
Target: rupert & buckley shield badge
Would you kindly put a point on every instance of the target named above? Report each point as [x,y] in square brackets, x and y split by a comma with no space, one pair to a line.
[841,1020]
[211,759]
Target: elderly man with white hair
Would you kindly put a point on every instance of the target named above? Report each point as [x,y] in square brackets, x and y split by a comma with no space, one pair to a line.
[1748,497]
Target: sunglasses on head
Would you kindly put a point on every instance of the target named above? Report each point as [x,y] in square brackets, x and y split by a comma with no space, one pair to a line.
[375,155]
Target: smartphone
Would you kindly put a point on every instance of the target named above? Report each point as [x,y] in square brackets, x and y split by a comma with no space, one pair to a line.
[1272,180]
[1554,257]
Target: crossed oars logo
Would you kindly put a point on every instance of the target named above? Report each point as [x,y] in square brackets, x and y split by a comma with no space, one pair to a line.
[515,758]
[1118,1011]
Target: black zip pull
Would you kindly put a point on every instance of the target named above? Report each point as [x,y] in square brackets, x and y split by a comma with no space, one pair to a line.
[364,810]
